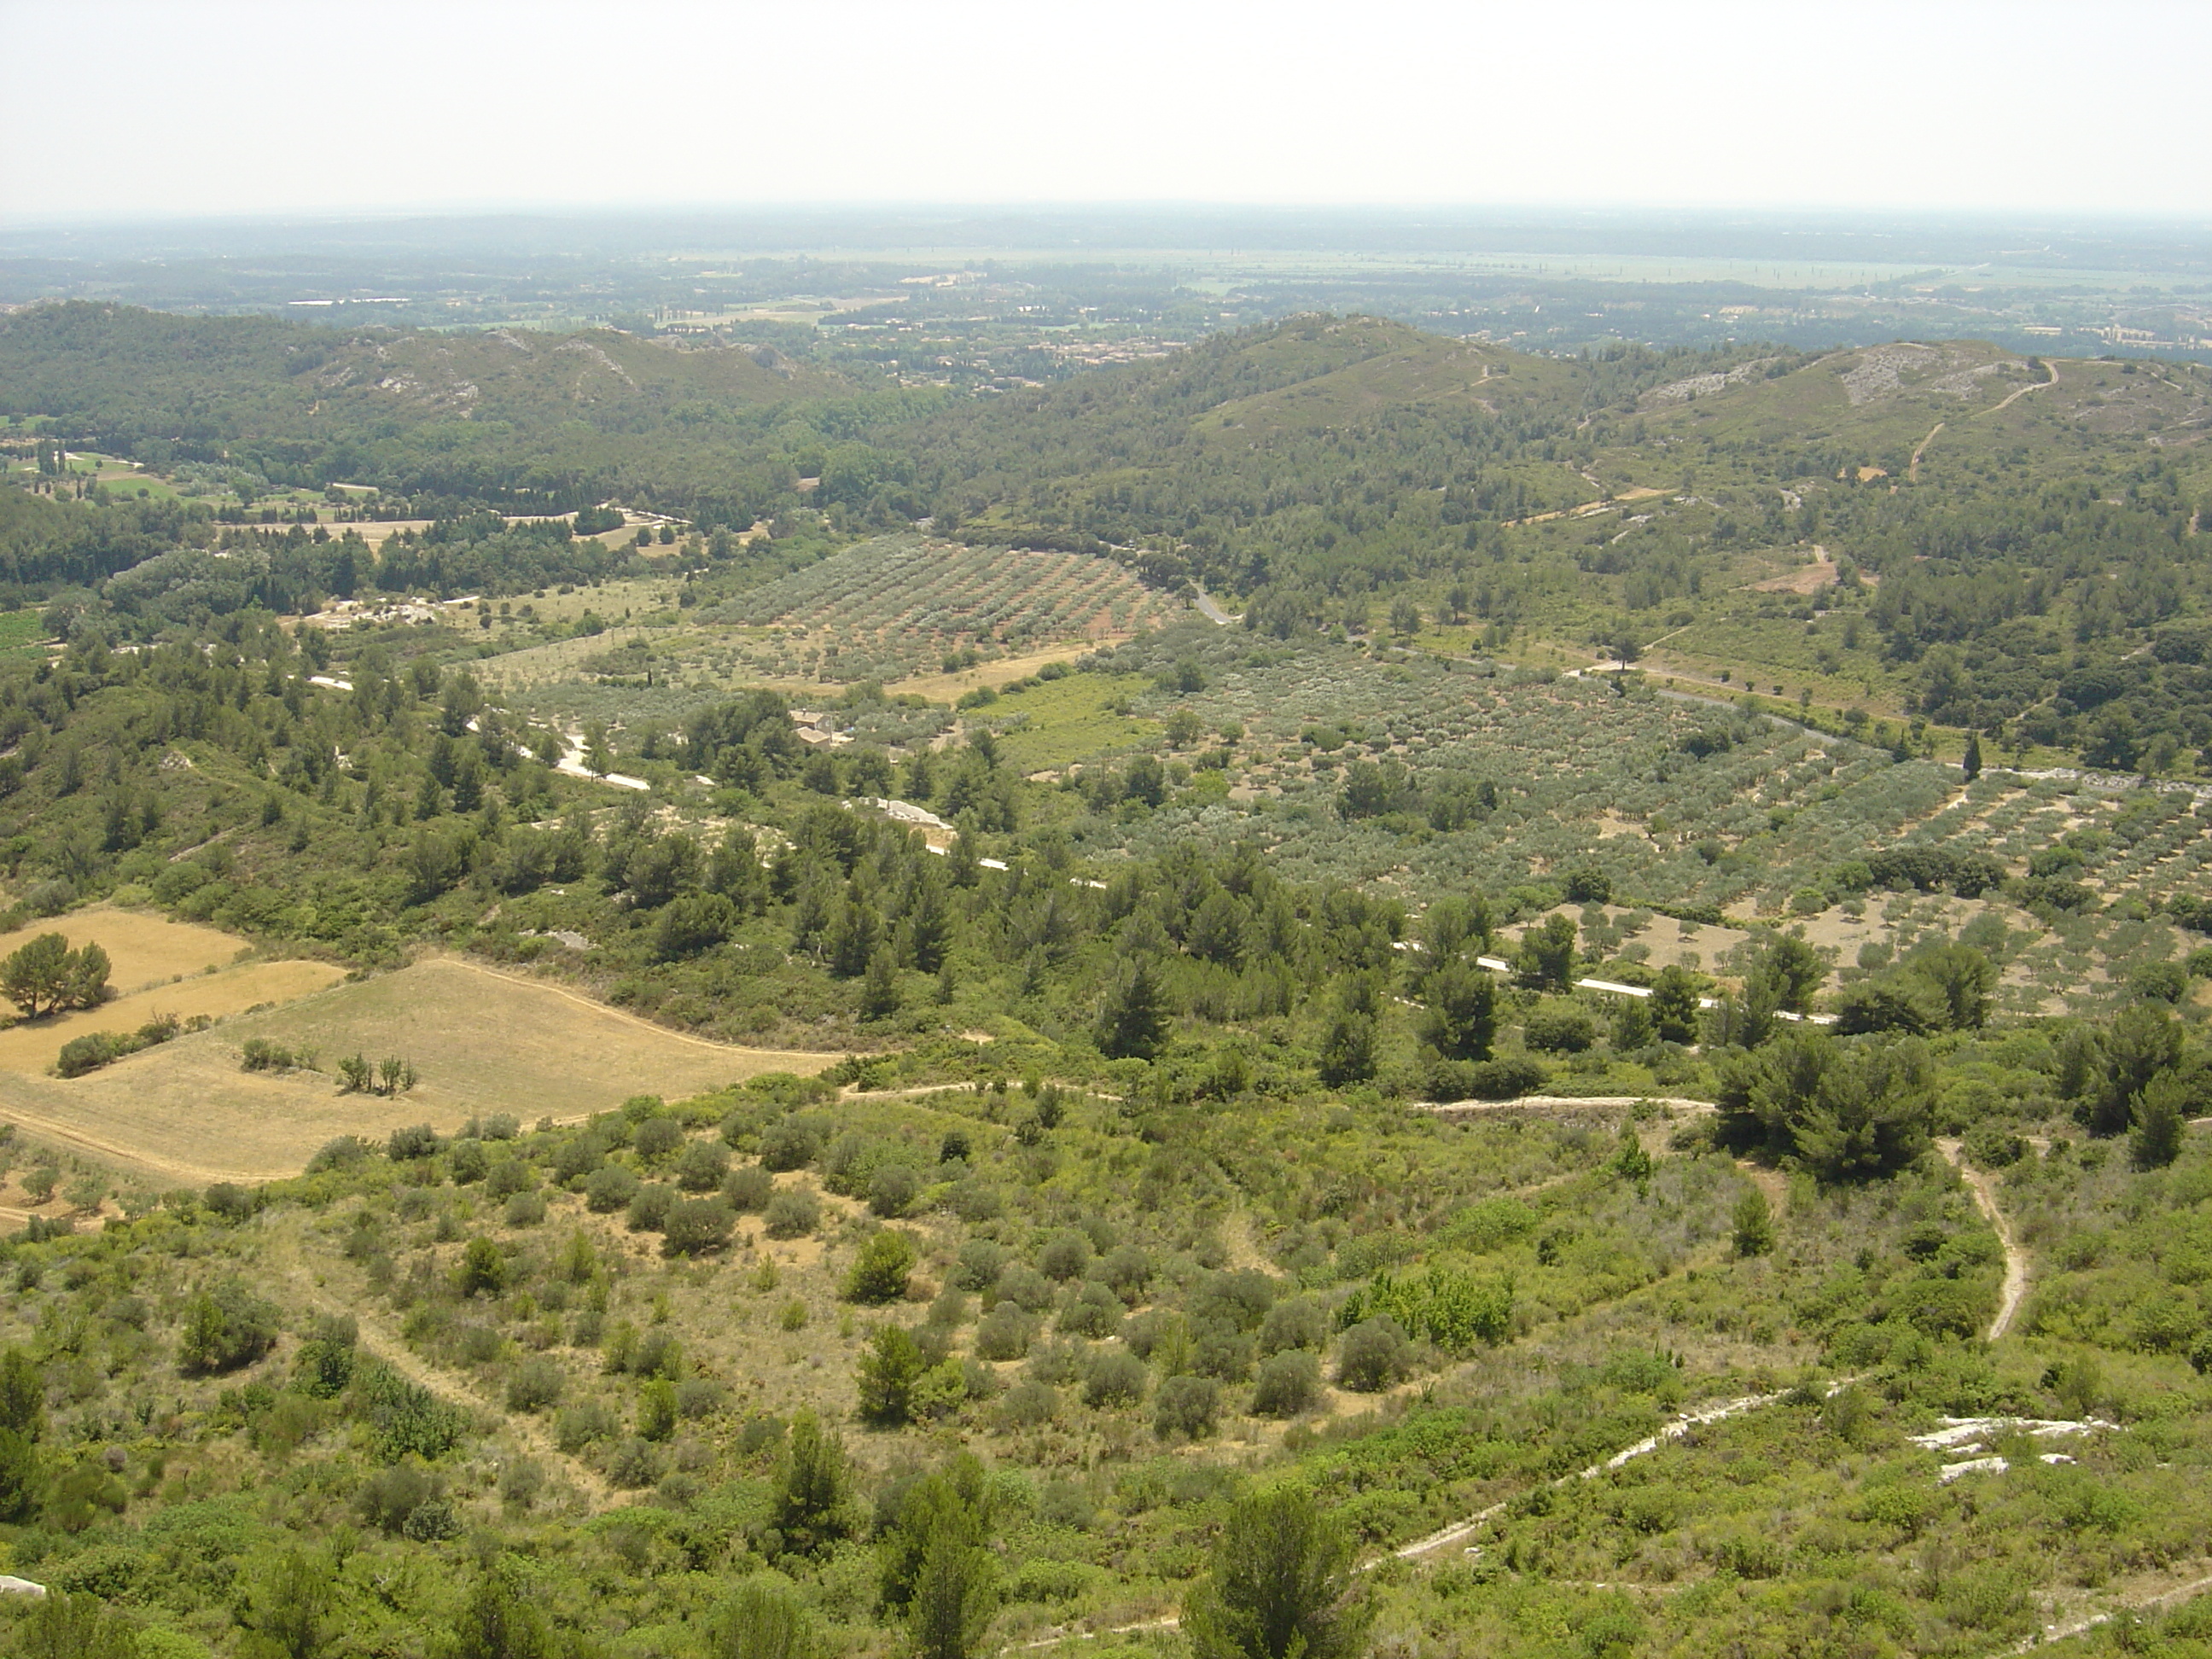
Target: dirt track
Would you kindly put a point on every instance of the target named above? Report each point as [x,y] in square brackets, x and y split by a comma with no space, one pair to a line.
[1986,1198]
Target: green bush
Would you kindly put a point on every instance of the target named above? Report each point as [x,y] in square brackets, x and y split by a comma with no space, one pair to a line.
[1559,1030]
[610,1187]
[1005,1333]
[696,1226]
[649,1207]
[1187,1407]
[1114,1377]
[881,1271]
[793,1213]
[1288,1384]
[1373,1355]
[748,1190]
[224,1328]
[538,1383]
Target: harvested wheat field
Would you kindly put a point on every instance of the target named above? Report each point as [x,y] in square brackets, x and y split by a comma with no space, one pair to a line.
[33,1045]
[143,950]
[156,967]
[482,1042]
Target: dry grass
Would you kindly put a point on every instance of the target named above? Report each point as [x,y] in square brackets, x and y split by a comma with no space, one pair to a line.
[483,1042]
[948,688]
[34,1046]
[142,949]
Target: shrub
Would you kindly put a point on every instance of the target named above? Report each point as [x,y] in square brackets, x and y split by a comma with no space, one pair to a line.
[696,1226]
[1024,1287]
[1127,1270]
[1503,1079]
[345,1152]
[224,1328]
[703,1166]
[980,1263]
[1028,1405]
[649,1208]
[656,1137]
[90,1053]
[1374,1355]
[403,1420]
[1994,1146]
[507,1176]
[609,1188]
[790,1143]
[699,1396]
[260,1055]
[467,1163]
[1450,1307]
[892,1190]
[579,1425]
[1094,1311]
[1297,1324]
[229,1201]
[1186,1406]
[420,1140]
[387,1497]
[1559,1030]
[748,1190]
[1219,1349]
[1005,1333]
[483,1270]
[537,1383]
[1065,1256]
[880,1272]
[1288,1384]
[636,1463]
[1056,1363]
[793,1213]
[1114,1378]
[526,1210]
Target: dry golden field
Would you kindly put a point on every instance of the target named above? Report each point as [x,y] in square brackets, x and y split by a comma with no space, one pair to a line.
[483,1042]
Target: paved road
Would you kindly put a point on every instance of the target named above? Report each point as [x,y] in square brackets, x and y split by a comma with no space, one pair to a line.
[1212,612]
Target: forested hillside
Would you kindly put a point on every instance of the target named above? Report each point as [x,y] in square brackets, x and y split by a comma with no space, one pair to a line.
[1586,1077]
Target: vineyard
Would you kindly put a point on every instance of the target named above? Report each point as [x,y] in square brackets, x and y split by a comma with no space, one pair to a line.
[894,607]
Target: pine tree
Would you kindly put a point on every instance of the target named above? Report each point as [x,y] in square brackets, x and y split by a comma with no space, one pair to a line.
[1281,1586]
[810,1498]
[1463,1013]
[1135,1022]
[879,990]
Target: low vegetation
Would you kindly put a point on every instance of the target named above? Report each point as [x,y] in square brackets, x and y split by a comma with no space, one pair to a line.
[1272,1124]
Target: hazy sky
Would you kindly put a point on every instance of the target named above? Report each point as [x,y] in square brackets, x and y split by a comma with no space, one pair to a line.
[140,107]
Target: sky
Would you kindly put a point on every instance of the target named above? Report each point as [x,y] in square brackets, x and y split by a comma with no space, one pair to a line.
[132,109]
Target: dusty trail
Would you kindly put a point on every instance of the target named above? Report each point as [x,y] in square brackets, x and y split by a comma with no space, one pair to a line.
[1667,1436]
[2083,1624]
[1912,469]
[1561,1103]
[2048,368]
[1985,1199]
[389,1348]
